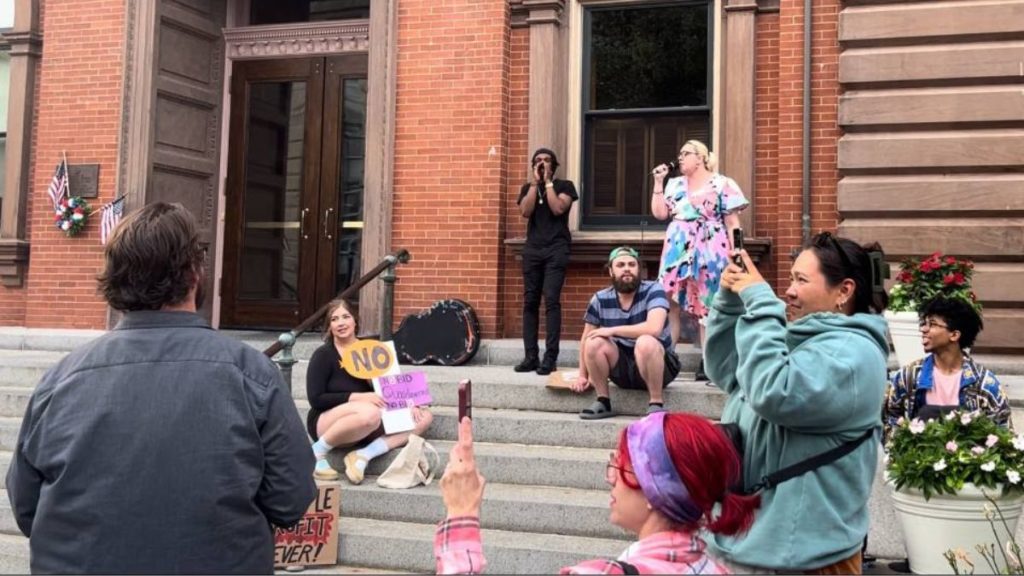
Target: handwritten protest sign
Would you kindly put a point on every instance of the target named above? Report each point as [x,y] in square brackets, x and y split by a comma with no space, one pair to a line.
[370,359]
[401,389]
[314,540]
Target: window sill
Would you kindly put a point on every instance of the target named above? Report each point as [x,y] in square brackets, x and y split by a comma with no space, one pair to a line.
[594,246]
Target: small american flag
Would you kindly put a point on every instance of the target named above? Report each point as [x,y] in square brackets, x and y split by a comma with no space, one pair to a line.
[59,185]
[111,215]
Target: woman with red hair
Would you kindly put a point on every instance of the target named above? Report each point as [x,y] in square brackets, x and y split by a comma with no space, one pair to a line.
[666,477]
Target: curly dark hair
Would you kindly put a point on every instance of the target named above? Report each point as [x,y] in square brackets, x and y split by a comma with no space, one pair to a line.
[959,315]
[152,259]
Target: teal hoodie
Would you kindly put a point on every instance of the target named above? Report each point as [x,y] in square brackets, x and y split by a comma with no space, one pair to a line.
[797,390]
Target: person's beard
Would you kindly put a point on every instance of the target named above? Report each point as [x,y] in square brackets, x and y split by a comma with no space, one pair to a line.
[626,286]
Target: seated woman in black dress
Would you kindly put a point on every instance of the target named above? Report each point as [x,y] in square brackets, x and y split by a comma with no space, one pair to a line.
[345,411]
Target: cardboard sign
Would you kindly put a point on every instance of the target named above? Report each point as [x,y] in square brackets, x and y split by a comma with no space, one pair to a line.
[401,389]
[563,379]
[370,358]
[314,540]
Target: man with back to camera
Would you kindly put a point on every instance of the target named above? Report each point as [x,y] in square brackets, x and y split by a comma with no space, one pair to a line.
[161,446]
[545,201]
[626,338]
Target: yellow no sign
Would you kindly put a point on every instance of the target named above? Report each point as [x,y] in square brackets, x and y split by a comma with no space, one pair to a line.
[369,359]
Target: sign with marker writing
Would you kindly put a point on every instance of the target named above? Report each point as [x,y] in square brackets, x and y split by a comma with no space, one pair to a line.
[314,540]
[404,390]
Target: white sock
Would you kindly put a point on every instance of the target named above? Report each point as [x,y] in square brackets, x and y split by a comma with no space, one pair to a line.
[321,448]
[376,448]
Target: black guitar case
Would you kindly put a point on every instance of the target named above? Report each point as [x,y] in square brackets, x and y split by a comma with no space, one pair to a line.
[447,333]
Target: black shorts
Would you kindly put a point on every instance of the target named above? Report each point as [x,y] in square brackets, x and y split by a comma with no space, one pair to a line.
[626,374]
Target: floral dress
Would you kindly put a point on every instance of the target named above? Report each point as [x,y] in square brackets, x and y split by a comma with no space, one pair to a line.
[697,242]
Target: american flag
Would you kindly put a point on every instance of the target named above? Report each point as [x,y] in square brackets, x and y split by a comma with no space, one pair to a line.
[111,215]
[59,185]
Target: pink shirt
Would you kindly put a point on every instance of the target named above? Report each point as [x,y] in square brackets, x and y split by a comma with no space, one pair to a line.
[945,389]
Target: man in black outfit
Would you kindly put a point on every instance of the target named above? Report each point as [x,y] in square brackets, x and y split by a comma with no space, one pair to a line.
[545,200]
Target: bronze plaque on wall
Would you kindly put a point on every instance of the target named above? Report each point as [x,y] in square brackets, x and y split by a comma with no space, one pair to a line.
[84,180]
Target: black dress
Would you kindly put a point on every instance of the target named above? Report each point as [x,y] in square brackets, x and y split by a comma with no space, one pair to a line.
[328,385]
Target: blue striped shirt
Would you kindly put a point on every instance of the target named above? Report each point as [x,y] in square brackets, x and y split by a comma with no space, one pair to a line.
[604,310]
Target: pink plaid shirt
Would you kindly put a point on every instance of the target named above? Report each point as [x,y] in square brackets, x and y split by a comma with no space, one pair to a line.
[458,550]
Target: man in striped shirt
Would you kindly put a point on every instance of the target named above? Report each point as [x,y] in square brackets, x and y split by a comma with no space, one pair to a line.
[626,338]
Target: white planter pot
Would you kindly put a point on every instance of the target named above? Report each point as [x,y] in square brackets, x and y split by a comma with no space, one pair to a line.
[931,527]
[905,335]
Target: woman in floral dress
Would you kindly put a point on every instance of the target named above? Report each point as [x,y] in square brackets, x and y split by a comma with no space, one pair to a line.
[704,207]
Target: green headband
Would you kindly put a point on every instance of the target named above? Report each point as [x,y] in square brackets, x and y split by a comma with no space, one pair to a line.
[623,250]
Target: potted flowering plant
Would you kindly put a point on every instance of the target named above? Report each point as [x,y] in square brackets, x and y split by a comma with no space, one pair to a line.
[919,281]
[945,473]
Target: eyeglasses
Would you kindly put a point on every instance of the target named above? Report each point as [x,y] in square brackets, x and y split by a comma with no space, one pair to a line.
[612,470]
[685,153]
[929,323]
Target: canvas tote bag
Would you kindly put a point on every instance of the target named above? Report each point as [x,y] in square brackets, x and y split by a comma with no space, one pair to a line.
[412,466]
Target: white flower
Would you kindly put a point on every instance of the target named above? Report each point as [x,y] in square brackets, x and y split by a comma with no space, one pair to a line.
[988,466]
[977,450]
[77,217]
[965,419]
[65,225]
[992,440]
[916,426]
[901,421]
[940,465]
[1013,476]
[1018,441]
[951,415]
[951,446]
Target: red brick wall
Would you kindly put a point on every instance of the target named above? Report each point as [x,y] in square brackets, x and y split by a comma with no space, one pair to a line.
[79,111]
[452,95]
[784,157]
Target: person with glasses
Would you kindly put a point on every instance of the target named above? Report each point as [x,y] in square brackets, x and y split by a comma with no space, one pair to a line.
[670,479]
[947,378]
[804,374]
[704,207]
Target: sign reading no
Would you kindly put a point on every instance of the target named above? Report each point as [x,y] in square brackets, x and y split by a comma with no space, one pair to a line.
[369,359]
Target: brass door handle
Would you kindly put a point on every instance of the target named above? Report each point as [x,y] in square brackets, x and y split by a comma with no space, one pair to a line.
[327,222]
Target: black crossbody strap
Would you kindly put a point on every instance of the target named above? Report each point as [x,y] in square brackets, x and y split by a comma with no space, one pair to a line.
[779,476]
[627,568]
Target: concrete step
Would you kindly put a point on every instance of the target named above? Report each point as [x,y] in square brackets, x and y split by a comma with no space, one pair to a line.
[409,547]
[501,387]
[9,428]
[519,427]
[519,464]
[538,509]
[14,400]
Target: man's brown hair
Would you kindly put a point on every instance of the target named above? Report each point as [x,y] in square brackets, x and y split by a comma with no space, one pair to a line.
[152,259]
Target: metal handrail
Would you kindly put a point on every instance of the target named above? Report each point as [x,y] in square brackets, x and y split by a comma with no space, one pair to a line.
[287,339]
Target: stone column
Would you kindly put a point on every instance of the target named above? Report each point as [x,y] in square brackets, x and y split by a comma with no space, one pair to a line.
[26,48]
[737,143]
[548,75]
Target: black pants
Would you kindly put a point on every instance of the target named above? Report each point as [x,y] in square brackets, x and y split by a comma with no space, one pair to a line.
[543,273]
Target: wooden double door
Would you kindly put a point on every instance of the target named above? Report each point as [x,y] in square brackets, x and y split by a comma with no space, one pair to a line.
[294,206]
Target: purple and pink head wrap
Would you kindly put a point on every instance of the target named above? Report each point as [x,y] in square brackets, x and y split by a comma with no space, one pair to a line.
[656,473]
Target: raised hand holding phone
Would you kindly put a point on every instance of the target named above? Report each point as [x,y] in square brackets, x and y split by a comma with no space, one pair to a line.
[737,245]
[465,399]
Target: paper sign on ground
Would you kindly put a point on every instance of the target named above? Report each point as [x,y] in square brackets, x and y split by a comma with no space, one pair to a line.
[563,379]
[314,540]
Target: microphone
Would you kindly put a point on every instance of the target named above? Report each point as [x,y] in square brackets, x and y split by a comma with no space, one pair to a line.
[671,168]
[541,188]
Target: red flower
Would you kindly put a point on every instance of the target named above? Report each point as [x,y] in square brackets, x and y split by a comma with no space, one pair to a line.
[929,266]
[904,277]
[951,278]
[950,260]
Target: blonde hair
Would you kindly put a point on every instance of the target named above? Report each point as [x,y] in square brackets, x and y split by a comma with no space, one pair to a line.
[709,157]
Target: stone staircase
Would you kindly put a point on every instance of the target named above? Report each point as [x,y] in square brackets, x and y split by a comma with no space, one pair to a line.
[546,503]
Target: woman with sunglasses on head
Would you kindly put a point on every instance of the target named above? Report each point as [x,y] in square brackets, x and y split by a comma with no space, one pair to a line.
[670,477]
[704,207]
[804,375]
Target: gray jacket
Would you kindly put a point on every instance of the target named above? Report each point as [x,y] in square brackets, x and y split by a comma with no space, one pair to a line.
[160,447]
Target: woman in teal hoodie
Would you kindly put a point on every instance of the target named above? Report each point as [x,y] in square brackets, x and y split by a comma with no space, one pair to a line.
[804,375]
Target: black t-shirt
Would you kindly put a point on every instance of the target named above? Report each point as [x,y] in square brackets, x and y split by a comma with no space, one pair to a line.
[328,384]
[544,228]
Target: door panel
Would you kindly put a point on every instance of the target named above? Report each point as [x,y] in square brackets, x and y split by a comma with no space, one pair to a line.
[341,189]
[273,182]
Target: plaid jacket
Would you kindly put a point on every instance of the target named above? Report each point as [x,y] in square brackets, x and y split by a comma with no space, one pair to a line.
[979,390]
[458,550]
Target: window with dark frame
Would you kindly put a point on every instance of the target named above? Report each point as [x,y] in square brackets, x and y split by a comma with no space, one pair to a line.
[286,11]
[646,91]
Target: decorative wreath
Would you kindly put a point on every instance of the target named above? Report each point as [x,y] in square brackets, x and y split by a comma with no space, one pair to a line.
[72,214]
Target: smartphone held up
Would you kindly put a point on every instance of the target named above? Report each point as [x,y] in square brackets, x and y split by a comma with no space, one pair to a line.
[465,399]
[737,245]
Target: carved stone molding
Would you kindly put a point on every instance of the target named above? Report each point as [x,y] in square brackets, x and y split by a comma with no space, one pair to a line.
[518,13]
[768,6]
[275,41]
[13,261]
[531,12]
[27,43]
